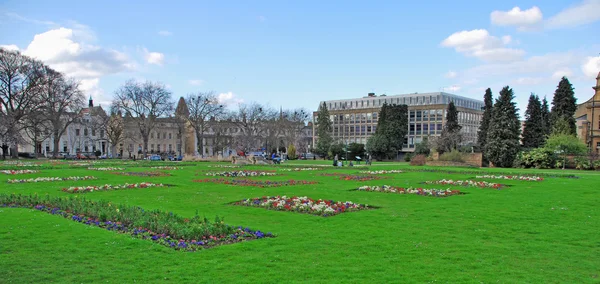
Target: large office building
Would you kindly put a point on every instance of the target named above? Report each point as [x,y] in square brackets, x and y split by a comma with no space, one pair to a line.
[588,119]
[355,120]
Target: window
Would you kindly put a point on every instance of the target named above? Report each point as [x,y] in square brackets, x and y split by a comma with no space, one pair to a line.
[412,129]
[425,115]
[170,146]
[93,132]
[170,138]
[101,133]
[76,132]
[164,135]
[151,135]
[85,132]
[419,115]
[152,147]
[158,148]
[86,148]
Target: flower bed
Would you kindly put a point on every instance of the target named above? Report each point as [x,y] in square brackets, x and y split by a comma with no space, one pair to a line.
[241,174]
[106,169]
[84,189]
[48,179]
[257,183]
[302,169]
[304,204]
[381,172]
[352,177]
[19,172]
[164,228]
[525,178]
[166,168]
[224,166]
[411,190]
[472,183]
[143,174]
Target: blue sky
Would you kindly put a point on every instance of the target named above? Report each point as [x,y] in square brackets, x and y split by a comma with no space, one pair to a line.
[297,53]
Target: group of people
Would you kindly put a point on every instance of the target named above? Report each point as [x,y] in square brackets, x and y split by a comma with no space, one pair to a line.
[338,163]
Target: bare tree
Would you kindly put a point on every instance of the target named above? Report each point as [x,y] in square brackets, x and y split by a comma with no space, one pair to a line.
[253,121]
[202,107]
[111,128]
[144,103]
[36,128]
[292,123]
[20,82]
[62,102]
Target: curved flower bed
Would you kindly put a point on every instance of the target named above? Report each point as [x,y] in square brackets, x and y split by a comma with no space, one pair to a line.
[19,172]
[302,169]
[525,178]
[143,174]
[411,190]
[164,228]
[241,174]
[304,204]
[48,179]
[84,189]
[166,168]
[257,183]
[224,166]
[352,177]
[381,172]
[472,183]
[106,169]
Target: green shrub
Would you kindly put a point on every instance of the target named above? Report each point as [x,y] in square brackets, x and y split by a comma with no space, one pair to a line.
[539,158]
[292,152]
[408,157]
[452,156]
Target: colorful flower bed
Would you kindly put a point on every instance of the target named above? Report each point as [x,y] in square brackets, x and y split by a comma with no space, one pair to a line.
[84,189]
[257,183]
[411,190]
[166,168]
[525,178]
[241,174]
[472,183]
[302,169]
[47,179]
[304,204]
[352,177]
[143,174]
[474,172]
[106,169]
[381,172]
[165,228]
[19,172]
[224,166]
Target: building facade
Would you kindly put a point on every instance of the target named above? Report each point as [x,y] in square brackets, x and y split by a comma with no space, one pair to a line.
[587,117]
[355,120]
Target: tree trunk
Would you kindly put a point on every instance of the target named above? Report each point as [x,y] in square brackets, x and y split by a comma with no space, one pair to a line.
[56,142]
[145,138]
[113,150]
[15,151]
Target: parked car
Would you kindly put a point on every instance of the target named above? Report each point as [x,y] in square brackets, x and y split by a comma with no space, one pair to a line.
[27,155]
[155,158]
[70,157]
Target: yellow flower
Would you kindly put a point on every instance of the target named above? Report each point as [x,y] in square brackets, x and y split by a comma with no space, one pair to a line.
[117,210]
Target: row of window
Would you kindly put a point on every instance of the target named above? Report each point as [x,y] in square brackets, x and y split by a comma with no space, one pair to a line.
[86,132]
[406,100]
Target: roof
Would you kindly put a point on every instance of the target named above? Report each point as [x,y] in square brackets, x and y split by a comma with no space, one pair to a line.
[419,99]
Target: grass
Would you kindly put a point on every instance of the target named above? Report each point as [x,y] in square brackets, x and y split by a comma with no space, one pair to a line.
[537,232]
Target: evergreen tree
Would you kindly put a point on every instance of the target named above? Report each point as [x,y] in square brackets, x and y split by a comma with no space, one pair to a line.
[564,105]
[392,127]
[450,137]
[546,117]
[533,133]
[504,131]
[487,116]
[324,139]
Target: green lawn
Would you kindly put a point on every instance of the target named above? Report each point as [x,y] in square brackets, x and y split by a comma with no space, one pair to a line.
[535,232]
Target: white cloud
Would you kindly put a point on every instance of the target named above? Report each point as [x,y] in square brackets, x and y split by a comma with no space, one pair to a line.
[229,99]
[562,72]
[195,82]
[529,80]
[66,50]
[591,67]
[155,58]
[10,47]
[523,19]
[33,21]
[585,12]
[451,74]
[480,44]
[506,39]
[453,88]
[165,33]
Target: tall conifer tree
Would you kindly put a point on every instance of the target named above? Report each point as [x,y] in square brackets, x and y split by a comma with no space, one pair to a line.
[504,131]
[487,116]
[564,105]
[324,139]
[533,133]
[546,117]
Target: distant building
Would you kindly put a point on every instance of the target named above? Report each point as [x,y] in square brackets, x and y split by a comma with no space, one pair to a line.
[587,118]
[355,120]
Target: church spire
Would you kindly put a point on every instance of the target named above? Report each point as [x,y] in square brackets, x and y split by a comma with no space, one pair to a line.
[91,102]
